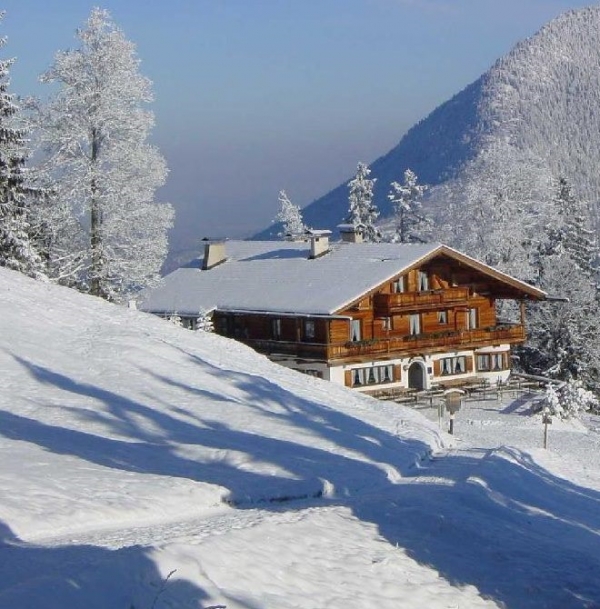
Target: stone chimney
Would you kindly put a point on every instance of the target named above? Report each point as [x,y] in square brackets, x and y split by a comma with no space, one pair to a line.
[350,233]
[214,254]
[319,242]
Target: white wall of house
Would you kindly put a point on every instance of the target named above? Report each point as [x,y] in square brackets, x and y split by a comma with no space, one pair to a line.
[337,374]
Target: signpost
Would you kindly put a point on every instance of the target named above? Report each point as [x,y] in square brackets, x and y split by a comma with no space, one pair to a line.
[546,420]
[453,399]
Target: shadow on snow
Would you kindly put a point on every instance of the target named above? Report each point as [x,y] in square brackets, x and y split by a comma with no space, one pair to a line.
[521,536]
[87,576]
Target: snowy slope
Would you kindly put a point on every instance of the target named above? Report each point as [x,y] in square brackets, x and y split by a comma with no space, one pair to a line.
[145,466]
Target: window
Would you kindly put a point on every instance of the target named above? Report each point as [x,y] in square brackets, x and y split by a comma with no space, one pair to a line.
[497,361]
[415,324]
[471,321]
[490,361]
[355,330]
[311,372]
[309,329]
[358,377]
[453,365]
[276,329]
[189,323]
[483,361]
[442,317]
[238,328]
[398,285]
[423,281]
[375,375]
[386,323]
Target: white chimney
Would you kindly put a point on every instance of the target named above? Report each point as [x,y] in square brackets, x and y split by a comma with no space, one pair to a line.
[214,254]
[319,242]
[350,233]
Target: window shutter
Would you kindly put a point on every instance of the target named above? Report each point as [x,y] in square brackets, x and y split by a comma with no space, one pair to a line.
[437,367]
[348,378]
[469,364]
[397,372]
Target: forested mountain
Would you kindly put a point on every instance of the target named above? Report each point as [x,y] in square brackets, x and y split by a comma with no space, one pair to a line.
[542,100]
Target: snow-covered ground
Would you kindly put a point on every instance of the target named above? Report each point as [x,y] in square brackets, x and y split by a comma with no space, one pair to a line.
[145,466]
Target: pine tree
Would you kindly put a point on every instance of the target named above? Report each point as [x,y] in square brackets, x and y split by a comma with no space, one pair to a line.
[290,217]
[410,223]
[573,232]
[362,212]
[16,195]
[564,340]
[112,239]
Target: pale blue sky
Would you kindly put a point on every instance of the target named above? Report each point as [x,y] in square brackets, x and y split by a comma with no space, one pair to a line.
[254,96]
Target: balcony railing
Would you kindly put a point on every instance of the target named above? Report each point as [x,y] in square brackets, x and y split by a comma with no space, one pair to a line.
[387,304]
[461,339]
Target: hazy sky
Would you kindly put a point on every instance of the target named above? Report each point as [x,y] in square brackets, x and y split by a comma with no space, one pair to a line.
[255,96]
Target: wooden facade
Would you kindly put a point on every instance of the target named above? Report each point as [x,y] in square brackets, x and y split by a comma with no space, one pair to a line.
[439,316]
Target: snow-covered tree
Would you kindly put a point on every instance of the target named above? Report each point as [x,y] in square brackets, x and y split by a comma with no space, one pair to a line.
[569,400]
[565,335]
[100,168]
[572,231]
[290,217]
[362,212]
[493,211]
[17,196]
[175,319]
[204,322]
[411,225]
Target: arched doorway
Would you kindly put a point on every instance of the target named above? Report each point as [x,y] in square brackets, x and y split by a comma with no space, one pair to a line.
[416,376]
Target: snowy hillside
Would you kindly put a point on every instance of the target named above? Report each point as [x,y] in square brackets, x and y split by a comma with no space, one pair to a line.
[145,466]
[543,97]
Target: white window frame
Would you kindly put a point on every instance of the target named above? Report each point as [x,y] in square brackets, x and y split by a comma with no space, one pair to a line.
[398,286]
[442,317]
[497,361]
[386,323]
[355,330]
[484,362]
[309,329]
[449,366]
[423,279]
[472,319]
[414,324]
[373,375]
[276,328]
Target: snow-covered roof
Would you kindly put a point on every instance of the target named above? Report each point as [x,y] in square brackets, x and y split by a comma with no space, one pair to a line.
[279,277]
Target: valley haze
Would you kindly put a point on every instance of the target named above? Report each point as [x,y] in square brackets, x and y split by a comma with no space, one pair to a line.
[252,98]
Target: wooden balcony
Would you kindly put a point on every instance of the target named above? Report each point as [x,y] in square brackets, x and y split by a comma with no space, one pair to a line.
[461,339]
[388,304]
[392,346]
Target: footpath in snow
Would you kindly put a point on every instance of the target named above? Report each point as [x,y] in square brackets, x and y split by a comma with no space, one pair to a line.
[480,524]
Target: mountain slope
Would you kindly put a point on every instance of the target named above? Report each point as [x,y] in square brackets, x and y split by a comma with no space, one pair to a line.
[543,98]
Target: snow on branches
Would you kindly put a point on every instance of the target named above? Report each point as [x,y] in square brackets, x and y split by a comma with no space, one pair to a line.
[362,211]
[290,217]
[16,195]
[100,168]
[406,198]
